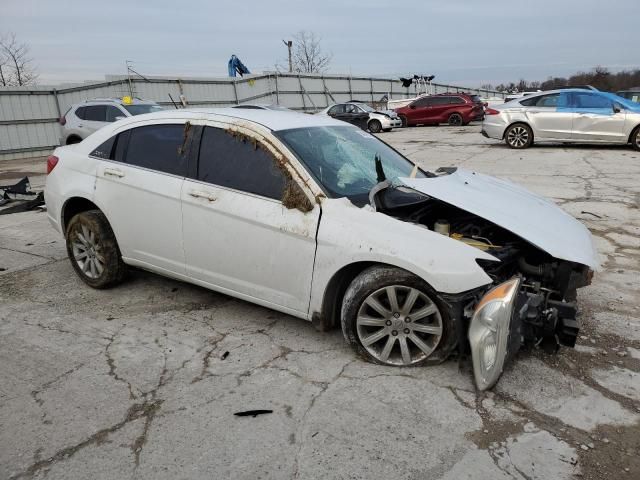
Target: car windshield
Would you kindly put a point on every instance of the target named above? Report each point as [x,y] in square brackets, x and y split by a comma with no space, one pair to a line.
[342,159]
[141,109]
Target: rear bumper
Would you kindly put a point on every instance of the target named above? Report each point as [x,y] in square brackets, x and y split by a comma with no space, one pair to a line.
[492,130]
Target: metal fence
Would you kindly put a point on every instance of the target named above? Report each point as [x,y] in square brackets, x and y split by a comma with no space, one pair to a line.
[29,115]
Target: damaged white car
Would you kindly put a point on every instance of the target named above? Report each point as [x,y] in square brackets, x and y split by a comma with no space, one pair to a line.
[318,219]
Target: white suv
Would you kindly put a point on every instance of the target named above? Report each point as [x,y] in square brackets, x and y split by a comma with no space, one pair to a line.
[318,219]
[82,119]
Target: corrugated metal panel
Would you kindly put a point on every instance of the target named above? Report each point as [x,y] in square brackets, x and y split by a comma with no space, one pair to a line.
[27,113]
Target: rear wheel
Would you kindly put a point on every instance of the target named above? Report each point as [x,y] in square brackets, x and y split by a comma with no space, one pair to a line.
[518,136]
[73,139]
[391,317]
[455,119]
[375,126]
[635,138]
[93,250]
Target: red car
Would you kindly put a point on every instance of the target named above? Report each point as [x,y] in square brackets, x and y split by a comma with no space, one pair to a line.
[451,108]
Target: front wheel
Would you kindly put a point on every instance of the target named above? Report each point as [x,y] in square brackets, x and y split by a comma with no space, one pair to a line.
[635,139]
[404,121]
[93,250]
[375,126]
[391,317]
[518,136]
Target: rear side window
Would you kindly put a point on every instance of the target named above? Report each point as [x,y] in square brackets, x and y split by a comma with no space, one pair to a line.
[336,109]
[231,160]
[542,101]
[158,147]
[423,102]
[95,113]
[105,150]
[80,111]
[456,100]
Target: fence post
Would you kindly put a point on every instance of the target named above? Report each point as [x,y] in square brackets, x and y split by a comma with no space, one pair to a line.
[326,97]
[371,83]
[55,97]
[235,91]
[304,105]
[277,91]
[350,90]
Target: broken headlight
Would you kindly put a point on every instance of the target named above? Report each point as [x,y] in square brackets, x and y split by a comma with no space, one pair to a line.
[489,332]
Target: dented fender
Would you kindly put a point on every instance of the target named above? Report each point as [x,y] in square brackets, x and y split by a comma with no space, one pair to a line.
[348,234]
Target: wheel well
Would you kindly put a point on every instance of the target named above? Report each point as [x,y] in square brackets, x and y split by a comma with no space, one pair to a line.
[329,317]
[71,139]
[72,207]
[518,123]
[633,132]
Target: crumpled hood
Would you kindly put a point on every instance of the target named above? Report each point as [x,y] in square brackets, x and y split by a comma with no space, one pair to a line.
[532,217]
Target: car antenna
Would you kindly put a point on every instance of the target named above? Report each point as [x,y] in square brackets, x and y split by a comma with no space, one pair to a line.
[379,170]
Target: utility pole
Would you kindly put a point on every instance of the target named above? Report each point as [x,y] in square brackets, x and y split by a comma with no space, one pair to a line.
[128,62]
[289,45]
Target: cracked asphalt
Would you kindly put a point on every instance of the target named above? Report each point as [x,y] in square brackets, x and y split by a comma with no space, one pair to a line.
[142,381]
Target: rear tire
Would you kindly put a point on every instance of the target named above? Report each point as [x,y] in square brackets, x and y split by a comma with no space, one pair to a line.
[455,120]
[392,337]
[518,136]
[375,126]
[93,250]
[73,140]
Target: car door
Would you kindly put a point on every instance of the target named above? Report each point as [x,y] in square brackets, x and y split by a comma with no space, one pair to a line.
[549,116]
[595,118]
[138,186]
[420,110]
[439,111]
[357,116]
[239,238]
[95,117]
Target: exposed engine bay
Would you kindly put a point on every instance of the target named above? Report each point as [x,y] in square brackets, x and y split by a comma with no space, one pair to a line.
[544,311]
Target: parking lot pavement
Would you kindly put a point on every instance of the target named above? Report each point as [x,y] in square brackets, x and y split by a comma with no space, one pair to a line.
[142,381]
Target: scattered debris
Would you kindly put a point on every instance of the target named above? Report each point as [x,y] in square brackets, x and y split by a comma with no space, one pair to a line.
[224,355]
[22,188]
[252,413]
[589,213]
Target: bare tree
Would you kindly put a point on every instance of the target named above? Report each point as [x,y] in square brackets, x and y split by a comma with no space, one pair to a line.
[16,67]
[308,56]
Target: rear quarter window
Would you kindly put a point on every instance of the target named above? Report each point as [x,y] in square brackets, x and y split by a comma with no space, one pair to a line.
[159,147]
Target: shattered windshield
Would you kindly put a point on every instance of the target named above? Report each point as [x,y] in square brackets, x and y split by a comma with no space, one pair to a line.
[342,159]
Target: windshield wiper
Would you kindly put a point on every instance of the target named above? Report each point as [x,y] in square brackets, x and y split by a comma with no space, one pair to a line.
[382,184]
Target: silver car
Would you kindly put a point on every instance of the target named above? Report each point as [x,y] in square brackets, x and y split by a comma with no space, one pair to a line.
[82,119]
[568,115]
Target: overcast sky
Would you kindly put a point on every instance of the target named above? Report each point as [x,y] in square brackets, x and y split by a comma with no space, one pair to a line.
[467,42]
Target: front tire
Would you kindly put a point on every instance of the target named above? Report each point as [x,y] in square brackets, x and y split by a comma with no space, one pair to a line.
[93,250]
[635,138]
[404,121]
[392,317]
[375,126]
[519,136]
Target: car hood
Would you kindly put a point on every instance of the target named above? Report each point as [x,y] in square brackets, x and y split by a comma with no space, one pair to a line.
[532,217]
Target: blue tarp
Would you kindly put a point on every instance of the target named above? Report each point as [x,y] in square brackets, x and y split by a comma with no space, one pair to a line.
[236,66]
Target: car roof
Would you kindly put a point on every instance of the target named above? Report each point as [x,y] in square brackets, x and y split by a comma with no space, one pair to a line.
[272,119]
[119,101]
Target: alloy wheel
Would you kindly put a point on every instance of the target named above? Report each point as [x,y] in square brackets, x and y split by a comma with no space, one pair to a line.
[455,120]
[399,325]
[87,252]
[518,136]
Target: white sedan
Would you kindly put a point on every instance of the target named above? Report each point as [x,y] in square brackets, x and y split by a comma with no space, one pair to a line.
[323,221]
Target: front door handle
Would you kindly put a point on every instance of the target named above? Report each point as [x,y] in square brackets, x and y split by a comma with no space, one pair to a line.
[201,194]
[114,172]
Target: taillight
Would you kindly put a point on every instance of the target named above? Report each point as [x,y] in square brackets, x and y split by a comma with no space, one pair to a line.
[52,161]
[62,120]
[491,111]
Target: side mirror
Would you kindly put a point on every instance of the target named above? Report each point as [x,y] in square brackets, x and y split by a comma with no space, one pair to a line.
[616,109]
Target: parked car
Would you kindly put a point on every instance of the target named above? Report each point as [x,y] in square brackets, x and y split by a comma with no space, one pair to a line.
[82,119]
[632,94]
[451,108]
[567,115]
[318,219]
[260,106]
[363,116]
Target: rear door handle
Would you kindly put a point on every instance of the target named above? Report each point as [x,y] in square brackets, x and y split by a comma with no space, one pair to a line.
[114,172]
[201,194]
